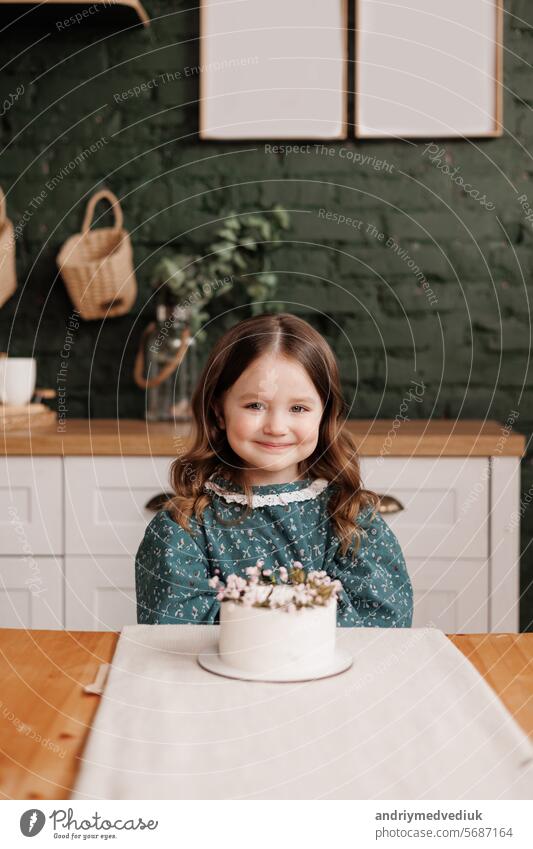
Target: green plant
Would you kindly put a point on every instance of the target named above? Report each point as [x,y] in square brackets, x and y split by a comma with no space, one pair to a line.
[236,266]
[178,274]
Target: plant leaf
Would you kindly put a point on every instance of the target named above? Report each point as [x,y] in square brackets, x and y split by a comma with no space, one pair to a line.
[227,234]
[239,261]
[281,216]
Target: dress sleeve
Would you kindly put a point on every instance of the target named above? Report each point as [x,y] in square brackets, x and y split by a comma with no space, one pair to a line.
[171,577]
[377,590]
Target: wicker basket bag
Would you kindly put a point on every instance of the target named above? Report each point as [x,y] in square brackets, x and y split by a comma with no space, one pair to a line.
[97,265]
[8,273]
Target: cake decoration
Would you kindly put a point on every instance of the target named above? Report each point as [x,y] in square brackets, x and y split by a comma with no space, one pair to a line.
[288,589]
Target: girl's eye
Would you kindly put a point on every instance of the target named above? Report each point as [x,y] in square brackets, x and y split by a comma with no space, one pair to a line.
[257,403]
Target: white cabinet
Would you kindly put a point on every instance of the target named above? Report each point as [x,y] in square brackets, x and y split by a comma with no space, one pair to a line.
[100,593]
[106,517]
[451,595]
[443,530]
[31,505]
[445,501]
[31,592]
[105,500]
[77,522]
[504,541]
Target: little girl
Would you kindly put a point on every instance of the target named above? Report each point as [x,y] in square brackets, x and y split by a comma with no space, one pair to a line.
[270,475]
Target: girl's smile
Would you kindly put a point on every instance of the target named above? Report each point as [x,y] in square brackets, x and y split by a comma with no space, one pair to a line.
[275,445]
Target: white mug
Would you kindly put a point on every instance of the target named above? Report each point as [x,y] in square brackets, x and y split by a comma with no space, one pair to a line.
[17,379]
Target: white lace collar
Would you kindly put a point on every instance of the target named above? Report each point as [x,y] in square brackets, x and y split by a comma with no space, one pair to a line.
[270,498]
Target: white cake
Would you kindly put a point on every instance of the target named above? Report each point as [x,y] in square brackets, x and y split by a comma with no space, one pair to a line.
[263,640]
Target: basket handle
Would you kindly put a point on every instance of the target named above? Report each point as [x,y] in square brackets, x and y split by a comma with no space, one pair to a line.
[170,368]
[115,203]
[2,206]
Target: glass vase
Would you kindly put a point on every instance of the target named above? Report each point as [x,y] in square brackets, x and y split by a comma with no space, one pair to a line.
[170,399]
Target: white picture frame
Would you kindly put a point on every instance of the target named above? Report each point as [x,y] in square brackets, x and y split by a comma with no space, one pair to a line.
[428,69]
[273,69]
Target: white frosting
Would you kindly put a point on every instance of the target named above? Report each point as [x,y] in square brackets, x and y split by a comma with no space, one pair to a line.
[265,640]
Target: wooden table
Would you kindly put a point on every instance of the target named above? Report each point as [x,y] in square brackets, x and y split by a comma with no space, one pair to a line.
[43,673]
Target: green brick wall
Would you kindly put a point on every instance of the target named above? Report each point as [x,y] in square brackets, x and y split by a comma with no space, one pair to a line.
[471,347]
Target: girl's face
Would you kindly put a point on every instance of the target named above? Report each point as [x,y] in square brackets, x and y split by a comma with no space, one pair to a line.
[274,402]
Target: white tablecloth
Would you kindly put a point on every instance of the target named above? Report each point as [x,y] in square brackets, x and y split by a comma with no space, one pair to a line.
[412,719]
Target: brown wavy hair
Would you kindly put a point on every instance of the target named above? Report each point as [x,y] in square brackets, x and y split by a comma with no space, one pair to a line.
[334,458]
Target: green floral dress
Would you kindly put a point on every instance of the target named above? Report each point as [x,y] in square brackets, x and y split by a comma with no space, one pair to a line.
[288,522]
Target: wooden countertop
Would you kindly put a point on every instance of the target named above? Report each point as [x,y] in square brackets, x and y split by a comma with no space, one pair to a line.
[420,438]
[45,716]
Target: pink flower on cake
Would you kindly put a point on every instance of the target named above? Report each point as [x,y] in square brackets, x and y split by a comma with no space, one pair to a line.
[293,591]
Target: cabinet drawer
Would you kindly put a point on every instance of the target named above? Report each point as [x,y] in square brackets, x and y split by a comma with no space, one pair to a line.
[100,593]
[105,500]
[450,595]
[31,505]
[31,592]
[445,500]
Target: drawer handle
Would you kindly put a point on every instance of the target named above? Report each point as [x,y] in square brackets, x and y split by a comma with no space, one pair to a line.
[157,502]
[389,504]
